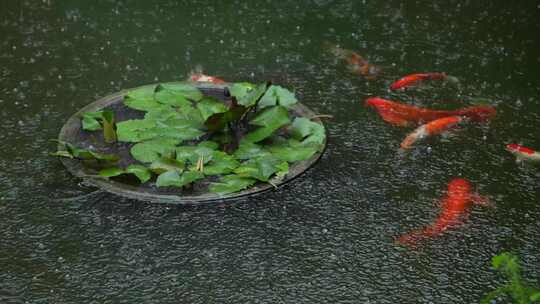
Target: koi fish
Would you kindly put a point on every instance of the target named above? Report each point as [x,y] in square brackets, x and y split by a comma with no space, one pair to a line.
[197,75]
[523,153]
[357,64]
[205,78]
[433,127]
[455,205]
[403,115]
[414,79]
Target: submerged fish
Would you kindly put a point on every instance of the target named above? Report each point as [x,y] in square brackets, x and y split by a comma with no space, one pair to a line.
[404,115]
[205,78]
[433,127]
[414,79]
[455,206]
[197,75]
[356,63]
[523,153]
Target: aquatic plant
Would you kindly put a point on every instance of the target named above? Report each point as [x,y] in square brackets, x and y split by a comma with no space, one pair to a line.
[516,289]
[181,136]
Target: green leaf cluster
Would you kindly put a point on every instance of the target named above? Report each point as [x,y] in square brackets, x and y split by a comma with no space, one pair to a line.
[517,289]
[179,112]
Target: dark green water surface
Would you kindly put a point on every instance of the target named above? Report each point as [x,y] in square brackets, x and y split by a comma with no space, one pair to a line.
[327,237]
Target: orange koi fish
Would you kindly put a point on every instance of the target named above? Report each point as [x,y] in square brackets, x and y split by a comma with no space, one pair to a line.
[455,205]
[433,127]
[403,115]
[523,153]
[414,79]
[205,78]
[357,63]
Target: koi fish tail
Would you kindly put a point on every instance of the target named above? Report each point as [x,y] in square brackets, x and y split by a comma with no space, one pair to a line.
[414,136]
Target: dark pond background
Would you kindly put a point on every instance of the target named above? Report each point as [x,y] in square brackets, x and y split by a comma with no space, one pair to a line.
[327,237]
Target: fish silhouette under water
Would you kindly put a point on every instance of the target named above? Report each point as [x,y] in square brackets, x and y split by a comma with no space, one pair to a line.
[455,206]
[403,115]
[356,63]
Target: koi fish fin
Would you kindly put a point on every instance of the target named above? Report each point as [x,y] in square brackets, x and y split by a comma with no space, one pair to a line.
[394,119]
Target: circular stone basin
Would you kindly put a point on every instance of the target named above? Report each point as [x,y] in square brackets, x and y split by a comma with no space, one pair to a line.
[73,133]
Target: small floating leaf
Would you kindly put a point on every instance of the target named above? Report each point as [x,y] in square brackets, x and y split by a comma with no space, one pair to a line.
[253,96]
[175,179]
[261,168]
[270,120]
[230,184]
[221,163]
[142,172]
[153,150]
[209,106]
[185,89]
[307,131]
[165,164]
[240,89]
[111,172]
[90,120]
[277,95]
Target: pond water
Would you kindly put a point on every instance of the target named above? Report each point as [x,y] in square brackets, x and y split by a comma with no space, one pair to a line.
[327,237]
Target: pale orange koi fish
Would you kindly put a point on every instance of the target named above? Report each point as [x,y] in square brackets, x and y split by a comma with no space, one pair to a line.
[414,79]
[455,206]
[403,115]
[433,127]
[523,153]
[205,78]
[357,63]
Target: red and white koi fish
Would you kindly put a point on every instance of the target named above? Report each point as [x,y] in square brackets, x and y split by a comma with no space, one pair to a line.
[433,127]
[357,64]
[455,206]
[523,153]
[403,115]
[199,77]
[414,79]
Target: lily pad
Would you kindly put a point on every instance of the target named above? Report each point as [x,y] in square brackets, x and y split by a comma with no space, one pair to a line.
[230,184]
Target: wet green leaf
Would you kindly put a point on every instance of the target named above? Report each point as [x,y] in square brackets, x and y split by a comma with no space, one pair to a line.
[270,120]
[192,154]
[221,163]
[72,151]
[276,95]
[111,172]
[240,89]
[165,164]
[247,150]
[171,98]
[230,184]
[252,97]
[141,99]
[153,150]
[307,131]
[90,120]
[130,130]
[175,179]
[291,154]
[209,106]
[260,168]
[109,133]
[141,172]
[187,90]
